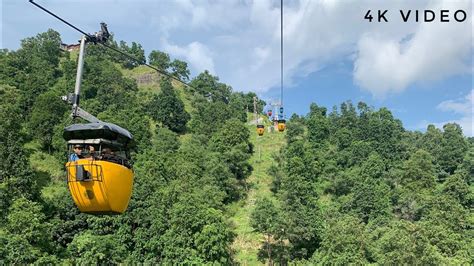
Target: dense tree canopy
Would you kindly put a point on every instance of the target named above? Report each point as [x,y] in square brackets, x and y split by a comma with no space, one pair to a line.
[356,188]
[168,109]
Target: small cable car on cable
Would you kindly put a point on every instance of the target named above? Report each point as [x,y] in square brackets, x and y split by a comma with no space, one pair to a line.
[281,120]
[269,113]
[99,174]
[281,125]
[260,130]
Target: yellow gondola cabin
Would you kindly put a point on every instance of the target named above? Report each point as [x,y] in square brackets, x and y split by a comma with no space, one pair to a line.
[99,175]
[281,125]
[260,130]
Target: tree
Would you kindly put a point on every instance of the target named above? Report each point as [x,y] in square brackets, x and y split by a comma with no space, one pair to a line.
[160,59]
[456,186]
[370,199]
[16,176]
[44,45]
[232,141]
[87,248]
[302,214]
[27,235]
[136,51]
[209,86]
[453,148]
[35,66]
[385,134]
[343,242]
[47,111]
[294,130]
[213,243]
[431,141]
[266,219]
[180,70]
[402,242]
[318,125]
[208,117]
[168,109]
[417,186]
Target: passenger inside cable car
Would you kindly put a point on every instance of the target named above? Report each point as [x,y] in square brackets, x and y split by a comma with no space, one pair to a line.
[106,151]
[77,154]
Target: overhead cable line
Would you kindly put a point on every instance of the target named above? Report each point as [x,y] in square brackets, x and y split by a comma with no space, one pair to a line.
[281,51]
[89,36]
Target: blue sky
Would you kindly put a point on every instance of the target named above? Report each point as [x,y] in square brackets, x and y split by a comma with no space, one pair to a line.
[421,71]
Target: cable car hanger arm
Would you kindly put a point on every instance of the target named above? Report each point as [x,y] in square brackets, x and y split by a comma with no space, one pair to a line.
[73,98]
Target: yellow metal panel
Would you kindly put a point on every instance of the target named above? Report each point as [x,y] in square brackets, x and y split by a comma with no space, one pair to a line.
[109,189]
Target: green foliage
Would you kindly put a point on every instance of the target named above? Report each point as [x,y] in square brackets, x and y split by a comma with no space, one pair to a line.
[453,148]
[233,143]
[209,86]
[168,109]
[180,70]
[26,219]
[87,248]
[25,238]
[47,111]
[402,242]
[343,242]
[208,117]
[135,50]
[162,61]
[295,130]
[266,217]
[159,59]
[16,175]
[33,68]
[370,199]
[457,187]
[356,188]
[318,125]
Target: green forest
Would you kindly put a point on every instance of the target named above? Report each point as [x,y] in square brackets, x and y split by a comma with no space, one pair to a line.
[344,186]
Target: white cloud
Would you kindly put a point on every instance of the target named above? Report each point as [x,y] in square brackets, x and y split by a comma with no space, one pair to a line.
[195,53]
[244,37]
[460,106]
[463,106]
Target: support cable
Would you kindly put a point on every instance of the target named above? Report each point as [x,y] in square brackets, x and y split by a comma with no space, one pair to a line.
[281,51]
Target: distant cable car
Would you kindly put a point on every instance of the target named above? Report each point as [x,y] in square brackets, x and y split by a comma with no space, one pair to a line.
[281,125]
[100,181]
[260,130]
[269,113]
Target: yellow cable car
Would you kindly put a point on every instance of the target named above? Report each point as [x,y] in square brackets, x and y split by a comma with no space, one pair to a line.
[281,125]
[260,130]
[100,180]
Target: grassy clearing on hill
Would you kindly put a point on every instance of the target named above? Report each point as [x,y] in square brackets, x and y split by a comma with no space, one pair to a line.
[248,242]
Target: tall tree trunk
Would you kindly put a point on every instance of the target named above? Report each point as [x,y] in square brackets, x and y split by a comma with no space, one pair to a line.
[269,251]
